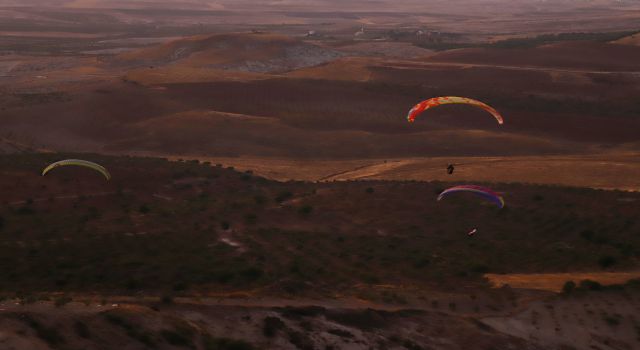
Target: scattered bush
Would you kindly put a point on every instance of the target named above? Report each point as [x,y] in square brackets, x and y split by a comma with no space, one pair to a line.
[606,261]
[296,313]
[365,320]
[251,218]
[139,335]
[178,337]
[421,263]
[24,210]
[568,287]
[587,235]
[252,273]
[62,301]
[300,340]
[49,334]
[340,333]
[144,209]
[305,210]
[82,330]
[283,196]
[590,285]
[271,326]
[211,343]
[610,320]
[260,200]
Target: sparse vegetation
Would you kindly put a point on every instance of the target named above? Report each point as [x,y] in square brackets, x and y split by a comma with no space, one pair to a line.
[49,334]
[607,261]
[306,210]
[82,330]
[62,301]
[178,337]
[132,331]
[611,320]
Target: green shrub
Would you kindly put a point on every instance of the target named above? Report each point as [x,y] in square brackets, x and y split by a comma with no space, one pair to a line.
[568,287]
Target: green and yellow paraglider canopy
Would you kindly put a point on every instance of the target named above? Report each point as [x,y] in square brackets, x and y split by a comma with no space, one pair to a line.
[78,162]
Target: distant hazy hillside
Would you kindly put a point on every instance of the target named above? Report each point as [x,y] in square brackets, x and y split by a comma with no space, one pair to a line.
[241,52]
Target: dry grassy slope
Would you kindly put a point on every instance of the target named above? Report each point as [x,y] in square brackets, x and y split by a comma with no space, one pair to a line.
[216,230]
[245,135]
[608,171]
